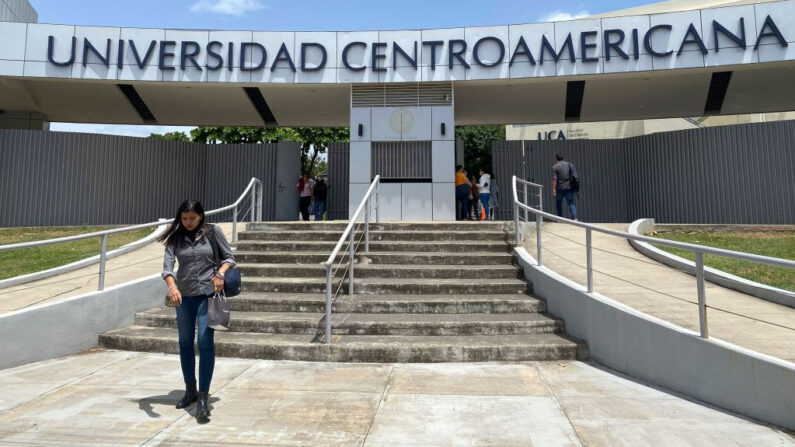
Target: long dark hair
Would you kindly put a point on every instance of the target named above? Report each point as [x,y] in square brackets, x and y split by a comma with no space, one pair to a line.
[176,231]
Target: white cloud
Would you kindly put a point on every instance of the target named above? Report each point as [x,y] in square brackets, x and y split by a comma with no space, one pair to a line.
[229,7]
[560,16]
[118,129]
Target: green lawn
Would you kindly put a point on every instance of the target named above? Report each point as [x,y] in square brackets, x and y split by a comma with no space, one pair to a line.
[778,244]
[29,260]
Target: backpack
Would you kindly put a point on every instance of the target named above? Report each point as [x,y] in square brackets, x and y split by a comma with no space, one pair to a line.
[321,190]
[574,179]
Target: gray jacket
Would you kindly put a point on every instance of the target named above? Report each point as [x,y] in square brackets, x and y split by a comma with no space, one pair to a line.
[196,262]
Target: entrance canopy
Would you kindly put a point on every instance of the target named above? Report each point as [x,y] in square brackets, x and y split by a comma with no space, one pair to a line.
[731,60]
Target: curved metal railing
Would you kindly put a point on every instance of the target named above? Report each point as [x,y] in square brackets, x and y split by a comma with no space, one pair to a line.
[252,191]
[349,234]
[698,250]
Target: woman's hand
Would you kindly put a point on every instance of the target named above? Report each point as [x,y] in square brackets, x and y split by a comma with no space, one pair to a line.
[218,283]
[174,296]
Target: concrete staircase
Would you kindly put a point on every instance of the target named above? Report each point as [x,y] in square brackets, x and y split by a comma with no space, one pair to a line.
[426,292]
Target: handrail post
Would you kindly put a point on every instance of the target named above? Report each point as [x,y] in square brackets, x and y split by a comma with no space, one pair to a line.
[328,304]
[103,256]
[367,227]
[538,239]
[526,201]
[702,295]
[261,187]
[253,202]
[541,198]
[377,202]
[234,224]
[516,224]
[589,259]
[350,260]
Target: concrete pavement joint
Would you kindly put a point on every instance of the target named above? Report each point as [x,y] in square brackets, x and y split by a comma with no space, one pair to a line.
[383,397]
[557,402]
[187,411]
[75,381]
[50,297]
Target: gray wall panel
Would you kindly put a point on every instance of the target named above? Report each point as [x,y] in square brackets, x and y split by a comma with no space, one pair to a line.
[732,174]
[54,178]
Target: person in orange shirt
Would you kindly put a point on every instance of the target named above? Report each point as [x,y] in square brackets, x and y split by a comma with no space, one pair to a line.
[462,185]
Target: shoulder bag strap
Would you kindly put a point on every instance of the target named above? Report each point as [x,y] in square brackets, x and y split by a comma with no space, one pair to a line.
[214,244]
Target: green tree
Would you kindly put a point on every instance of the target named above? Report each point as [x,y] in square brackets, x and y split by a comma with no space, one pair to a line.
[240,135]
[171,136]
[314,140]
[477,145]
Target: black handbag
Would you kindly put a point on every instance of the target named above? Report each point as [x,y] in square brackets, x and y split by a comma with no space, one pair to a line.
[232,277]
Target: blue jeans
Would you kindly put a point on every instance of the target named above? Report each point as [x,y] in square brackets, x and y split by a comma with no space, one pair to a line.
[484,200]
[194,308]
[462,195]
[320,209]
[569,195]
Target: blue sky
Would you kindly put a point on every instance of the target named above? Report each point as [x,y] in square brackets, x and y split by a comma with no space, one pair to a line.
[304,15]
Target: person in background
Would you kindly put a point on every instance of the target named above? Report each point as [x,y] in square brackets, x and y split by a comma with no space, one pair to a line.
[562,173]
[304,188]
[484,190]
[462,193]
[473,198]
[188,243]
[320,192]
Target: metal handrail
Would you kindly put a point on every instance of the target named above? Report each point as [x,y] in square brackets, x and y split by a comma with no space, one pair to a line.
[256,203]
[349,234]
[698,250]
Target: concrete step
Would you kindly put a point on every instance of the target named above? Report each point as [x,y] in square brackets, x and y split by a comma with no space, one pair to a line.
[413,258]
[360,348]
[387,285]
[383,271]
[340,226]
[390,246]
[373,324]
[412,235]
[370,303]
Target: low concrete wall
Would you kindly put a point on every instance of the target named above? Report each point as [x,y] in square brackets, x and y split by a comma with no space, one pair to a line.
[663,354]
[73,325]
[721,278]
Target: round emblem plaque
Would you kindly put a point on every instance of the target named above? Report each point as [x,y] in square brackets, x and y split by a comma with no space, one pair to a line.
[401,121]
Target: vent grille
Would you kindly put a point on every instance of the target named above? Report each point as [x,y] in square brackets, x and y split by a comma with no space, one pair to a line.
[138,103]
[259,103]
[717,92]
[402,95]
[574,93]
[405,160]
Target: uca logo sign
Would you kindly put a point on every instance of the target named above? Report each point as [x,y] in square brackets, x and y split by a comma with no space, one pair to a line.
[401,121]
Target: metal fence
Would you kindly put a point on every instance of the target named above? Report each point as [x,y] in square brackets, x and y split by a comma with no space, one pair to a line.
[732,174]
[338,180]
[55,178]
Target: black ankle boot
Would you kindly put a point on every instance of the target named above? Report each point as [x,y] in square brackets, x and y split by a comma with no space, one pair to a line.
[190,396]
[202,409]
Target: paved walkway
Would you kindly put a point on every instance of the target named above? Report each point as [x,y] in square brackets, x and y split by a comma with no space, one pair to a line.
[623,274]
[137,264]
[125,398]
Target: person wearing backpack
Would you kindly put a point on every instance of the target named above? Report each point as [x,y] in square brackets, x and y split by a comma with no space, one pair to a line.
[320,193]
[565,182]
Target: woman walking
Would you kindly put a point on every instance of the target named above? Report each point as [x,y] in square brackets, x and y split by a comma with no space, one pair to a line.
[304,188]
[189,242]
